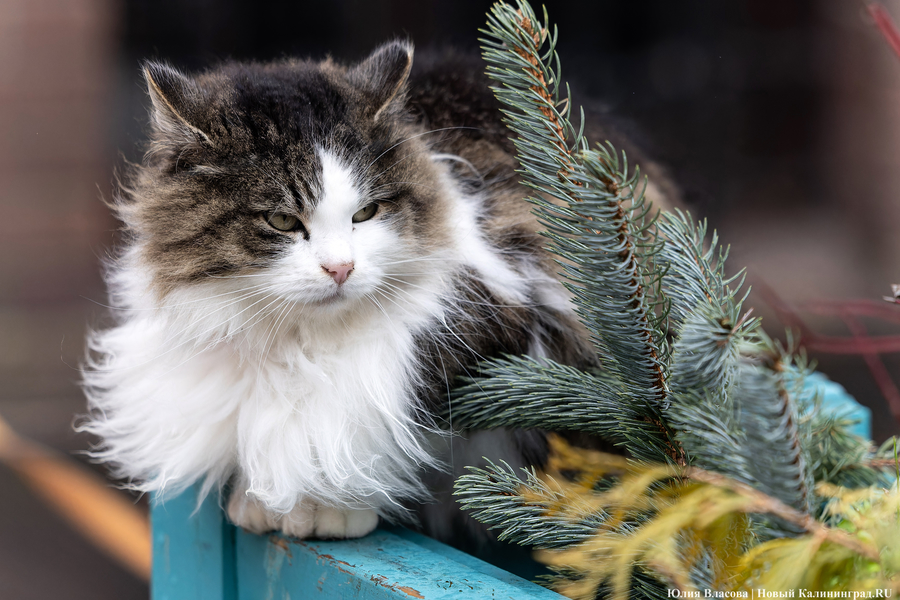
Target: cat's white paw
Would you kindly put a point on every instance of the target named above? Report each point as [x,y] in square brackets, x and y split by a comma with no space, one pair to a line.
[334,522]
[309,519]
[301,521]
[361,522]
[248,513]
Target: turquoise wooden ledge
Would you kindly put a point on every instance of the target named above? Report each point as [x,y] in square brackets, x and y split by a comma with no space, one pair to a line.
[200,556]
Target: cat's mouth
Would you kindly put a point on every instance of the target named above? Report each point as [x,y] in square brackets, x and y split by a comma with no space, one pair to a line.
[324,297]
[333,296]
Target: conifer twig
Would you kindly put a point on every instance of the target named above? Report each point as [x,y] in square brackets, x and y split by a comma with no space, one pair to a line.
[602,235]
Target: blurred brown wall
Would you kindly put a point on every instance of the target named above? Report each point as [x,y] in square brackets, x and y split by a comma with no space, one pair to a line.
[57,61]
[57,90]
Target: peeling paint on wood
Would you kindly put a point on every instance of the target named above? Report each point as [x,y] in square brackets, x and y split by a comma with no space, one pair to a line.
[410,592]
[281,543]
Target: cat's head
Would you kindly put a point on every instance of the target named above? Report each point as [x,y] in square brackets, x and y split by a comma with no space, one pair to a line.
[307,178]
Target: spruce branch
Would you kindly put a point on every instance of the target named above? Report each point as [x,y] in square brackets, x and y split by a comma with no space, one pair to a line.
[732,387]
[840,457]
[769,420]
[521,509]
[522,392]
[734,405]
[598,224]
[606,243]
[529,88]
[694,271]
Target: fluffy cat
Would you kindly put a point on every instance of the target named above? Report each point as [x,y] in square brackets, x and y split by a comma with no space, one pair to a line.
[313,254]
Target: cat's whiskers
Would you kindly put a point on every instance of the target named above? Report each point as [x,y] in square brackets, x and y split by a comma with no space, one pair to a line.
[462,342]
[398,294]
[392,294]
[257,317]
[266,294]
[439,258]
[467,301]
[267,289]
[245,275]
[285,310]
[371,297]
[412,137]
[453,306]
[173,336]
[385,171]
[343,320]
[157,308]
[391,297]
[283,307]
[449,406]
[246,292]
[384,185]
[208,346]
[240,328]
[192,340]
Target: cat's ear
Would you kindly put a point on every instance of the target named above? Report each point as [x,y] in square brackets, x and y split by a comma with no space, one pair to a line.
[176,99]
[382,76]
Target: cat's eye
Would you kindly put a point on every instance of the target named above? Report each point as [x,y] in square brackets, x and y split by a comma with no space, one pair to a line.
[283,222]
[365,213]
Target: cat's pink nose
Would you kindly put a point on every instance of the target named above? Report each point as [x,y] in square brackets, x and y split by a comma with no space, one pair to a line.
[339,273]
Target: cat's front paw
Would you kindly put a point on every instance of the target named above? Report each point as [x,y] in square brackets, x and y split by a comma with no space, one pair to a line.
[301,521]
[344,522]
[248,513]
[309,519]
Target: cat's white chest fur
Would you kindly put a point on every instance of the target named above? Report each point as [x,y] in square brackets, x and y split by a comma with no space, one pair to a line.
[333,423]
[300,412]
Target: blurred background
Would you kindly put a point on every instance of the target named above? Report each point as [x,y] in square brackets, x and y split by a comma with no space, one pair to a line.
[778,119]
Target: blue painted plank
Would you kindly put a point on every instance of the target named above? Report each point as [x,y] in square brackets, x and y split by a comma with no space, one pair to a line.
[193,552]
[198,555]
[464,559]
[381,566]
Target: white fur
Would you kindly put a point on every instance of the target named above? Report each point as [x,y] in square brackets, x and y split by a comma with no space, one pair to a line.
[299,388]
[478,254]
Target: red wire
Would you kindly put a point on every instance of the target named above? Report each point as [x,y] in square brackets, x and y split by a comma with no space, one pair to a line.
[876,366]
[886,25]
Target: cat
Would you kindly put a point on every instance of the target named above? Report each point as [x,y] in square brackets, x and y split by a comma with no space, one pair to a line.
[313,254]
